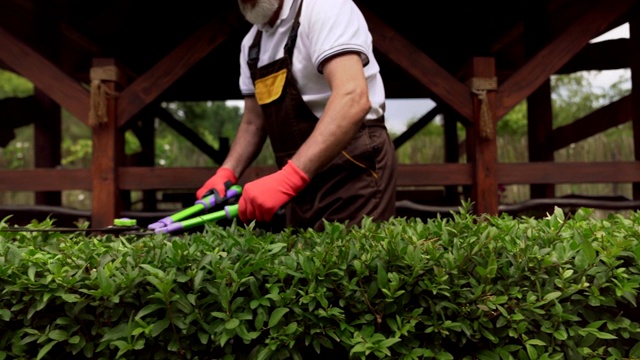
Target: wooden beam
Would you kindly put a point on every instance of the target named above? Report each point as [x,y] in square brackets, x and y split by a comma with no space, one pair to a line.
[539,106]
[539,135]
[444,85]
[634,45]
[603,55]
[409,175]
[190,178]
[414,175]
[45,76]
[47,140]
[559,51]
[605,118]
[146,134]
[150,85]
[16,112]
[451,150]
[56,180]
[568,172]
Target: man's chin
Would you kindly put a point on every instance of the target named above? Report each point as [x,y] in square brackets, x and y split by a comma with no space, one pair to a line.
[257,19]
[261,13]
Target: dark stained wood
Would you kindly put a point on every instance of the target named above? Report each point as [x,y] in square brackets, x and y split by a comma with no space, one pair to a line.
[47,134]
[607,117]
[216,155]
[184,178]
[540,124]
[108,155]
[45,180]
[150,85]
[143,178]
[540,128]
[434,174]
[484,191]
[451,150]
[47,137]
[604,55]
[568,173]
[145,132]
[17,112]
[417,175]
[539,107]
[530,76]
[634,32]
[44,75]
[420,66]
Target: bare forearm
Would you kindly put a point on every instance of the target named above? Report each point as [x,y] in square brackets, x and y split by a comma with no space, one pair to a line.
[339,122]
[245,148]
[249,140]
[344,113]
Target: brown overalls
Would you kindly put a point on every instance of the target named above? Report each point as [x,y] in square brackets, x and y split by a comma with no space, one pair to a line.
[360,181]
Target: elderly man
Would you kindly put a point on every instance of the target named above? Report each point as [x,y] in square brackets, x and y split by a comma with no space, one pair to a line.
[312,85]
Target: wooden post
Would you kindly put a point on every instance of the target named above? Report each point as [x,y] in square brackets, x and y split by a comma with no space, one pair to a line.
[634,39]
[451,151]
[47,132]
[108,142]
[144,130]
[540,127]
[539,107]
[481,137]
[47,143]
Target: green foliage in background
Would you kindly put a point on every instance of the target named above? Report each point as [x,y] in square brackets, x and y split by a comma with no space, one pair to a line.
[450,288]
[13,85]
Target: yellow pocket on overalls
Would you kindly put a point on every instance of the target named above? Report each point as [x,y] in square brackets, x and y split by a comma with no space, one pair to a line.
[270,88]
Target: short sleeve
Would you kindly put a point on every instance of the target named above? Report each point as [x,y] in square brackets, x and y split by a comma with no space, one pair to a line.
[245,82]
[332,27]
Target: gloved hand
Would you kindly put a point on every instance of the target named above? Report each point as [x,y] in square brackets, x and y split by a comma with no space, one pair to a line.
[263,197]
[217,182]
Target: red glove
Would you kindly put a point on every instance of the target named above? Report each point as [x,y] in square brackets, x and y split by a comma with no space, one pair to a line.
[263,197]
[217,182]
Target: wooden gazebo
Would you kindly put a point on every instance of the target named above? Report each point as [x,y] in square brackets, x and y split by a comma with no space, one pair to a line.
[111,64]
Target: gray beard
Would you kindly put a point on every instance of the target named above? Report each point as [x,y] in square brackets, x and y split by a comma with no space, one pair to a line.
[261,13]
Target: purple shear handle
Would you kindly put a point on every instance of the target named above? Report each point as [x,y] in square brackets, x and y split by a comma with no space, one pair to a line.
[169,228]
[161,223]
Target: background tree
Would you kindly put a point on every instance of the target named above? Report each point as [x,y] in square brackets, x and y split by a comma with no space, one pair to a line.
[13,85]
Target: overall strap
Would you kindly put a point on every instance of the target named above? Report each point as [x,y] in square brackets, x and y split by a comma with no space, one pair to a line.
[254,48]
[293,34]
[254,51]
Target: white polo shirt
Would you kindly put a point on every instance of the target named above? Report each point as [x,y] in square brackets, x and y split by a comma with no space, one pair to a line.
[327,27]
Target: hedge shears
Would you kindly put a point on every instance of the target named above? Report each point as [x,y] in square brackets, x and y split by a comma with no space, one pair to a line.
[181,220]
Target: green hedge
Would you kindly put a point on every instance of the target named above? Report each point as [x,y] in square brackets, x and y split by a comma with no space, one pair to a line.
[457,288]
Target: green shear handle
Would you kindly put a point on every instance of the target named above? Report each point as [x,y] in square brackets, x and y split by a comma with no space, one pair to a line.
[229,212]
[177,220]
